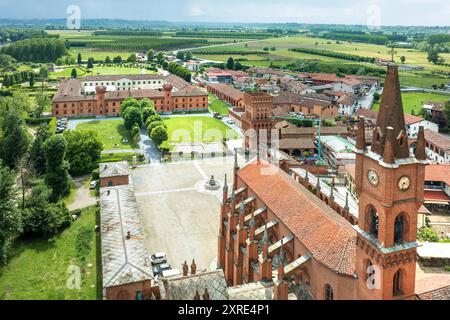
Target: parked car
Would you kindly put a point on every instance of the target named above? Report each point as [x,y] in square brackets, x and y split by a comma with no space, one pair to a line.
[157,258]
[229,121]
[158,269]
[93,184]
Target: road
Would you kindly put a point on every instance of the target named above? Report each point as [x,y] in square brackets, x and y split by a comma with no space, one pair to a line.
[218,45]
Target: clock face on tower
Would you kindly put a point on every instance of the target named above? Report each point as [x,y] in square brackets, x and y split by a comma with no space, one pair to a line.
[373,177]
[403,183]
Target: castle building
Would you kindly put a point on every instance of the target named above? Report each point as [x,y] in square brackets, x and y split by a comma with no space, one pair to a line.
[257,121]
[278,230]
[103,95]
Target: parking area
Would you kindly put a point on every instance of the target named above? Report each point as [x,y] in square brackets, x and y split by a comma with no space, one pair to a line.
[179,216]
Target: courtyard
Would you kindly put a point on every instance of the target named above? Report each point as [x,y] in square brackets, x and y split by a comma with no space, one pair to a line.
[179,216]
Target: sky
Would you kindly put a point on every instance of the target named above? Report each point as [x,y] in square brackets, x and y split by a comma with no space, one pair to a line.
[381,12]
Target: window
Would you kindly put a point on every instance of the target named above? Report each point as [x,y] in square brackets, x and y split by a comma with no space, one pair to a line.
[399,228]
[328,292]
[138,295]
[373,222]
[397,284]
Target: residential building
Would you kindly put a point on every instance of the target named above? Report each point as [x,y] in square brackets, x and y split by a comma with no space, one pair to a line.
[437,147]
[218,76]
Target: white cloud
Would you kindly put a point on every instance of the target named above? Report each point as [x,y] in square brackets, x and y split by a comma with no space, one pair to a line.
[197,11]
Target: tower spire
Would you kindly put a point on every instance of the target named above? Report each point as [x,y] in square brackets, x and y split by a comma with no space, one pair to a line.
[391,115]
[420,146]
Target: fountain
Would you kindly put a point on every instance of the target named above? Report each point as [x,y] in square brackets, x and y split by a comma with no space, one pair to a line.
[212,184]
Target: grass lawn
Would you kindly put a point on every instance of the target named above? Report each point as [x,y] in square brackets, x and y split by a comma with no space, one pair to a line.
[38,269]
[197,129]
[414,100]
[111,134]
[217,105]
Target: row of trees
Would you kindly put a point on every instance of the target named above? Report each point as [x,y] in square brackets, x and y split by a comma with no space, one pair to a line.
[137,113]
[185,55]
[36,50]
[178,70]
[333,54]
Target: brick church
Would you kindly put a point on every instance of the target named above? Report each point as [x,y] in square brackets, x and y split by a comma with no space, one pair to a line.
[279,231]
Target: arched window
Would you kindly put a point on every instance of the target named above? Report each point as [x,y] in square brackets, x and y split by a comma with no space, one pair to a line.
[370,273]
[373,222]
[397,284]
[399,228]
[328,292]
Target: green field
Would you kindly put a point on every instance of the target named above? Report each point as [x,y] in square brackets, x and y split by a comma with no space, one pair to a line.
[111,133]
[415,100]
[197,129]
[98,70]
[38,269]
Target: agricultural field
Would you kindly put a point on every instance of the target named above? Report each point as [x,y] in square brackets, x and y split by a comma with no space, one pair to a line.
[38,269]
[415,100]
[283,45]
[112,133]
[196,129]
[98,70]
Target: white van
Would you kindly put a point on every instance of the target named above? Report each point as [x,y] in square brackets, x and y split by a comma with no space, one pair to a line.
[171,273]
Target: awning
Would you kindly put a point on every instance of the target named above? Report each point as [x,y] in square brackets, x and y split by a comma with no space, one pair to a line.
[436,197]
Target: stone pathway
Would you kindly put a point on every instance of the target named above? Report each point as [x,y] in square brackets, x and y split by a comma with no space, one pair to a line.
[83,197]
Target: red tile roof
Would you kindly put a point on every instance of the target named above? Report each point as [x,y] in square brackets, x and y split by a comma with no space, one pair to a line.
[436,196]
[438,172]
[327,236]
[438,139]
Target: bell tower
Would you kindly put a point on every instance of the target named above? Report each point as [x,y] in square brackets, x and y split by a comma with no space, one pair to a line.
[390,186]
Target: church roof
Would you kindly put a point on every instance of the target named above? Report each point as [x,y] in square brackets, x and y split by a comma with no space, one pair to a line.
[326,235]
[184,287]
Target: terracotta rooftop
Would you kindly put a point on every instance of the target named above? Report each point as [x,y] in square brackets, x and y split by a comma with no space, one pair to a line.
[439,140]
[227,90]
[327,236]
[438,172]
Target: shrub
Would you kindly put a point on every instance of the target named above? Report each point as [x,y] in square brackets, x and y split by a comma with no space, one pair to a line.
[426,234]
[95,174]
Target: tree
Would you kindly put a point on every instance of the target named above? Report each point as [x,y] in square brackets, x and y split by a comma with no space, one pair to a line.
[36,155]
[132,58]
[447,111]
[132,116]
[403,59]
[230,63]
[160,57]
[79,59]
[155,117]
[31,79]
[41,217]
[159,135]
[43,72]
[150,55]
[42,103]
[147,112]
[90,63]
[128,102]
[145,103]
[56,174]
[83,150]
[10,219]
[189,56]
[108,60]
[376,96]
[135,132]
[15,142]
[181,55]
[74,73]
[153,125]
[433,57]
[117,60]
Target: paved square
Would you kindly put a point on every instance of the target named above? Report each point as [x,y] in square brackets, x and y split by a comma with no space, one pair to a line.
[178,215]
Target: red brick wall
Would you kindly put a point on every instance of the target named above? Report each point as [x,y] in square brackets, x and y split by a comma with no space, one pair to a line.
[116,181]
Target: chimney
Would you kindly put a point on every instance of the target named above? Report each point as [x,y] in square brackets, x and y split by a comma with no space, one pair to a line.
[185,269]
[193,267]
[128,237]
[206,294]
[196,295]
